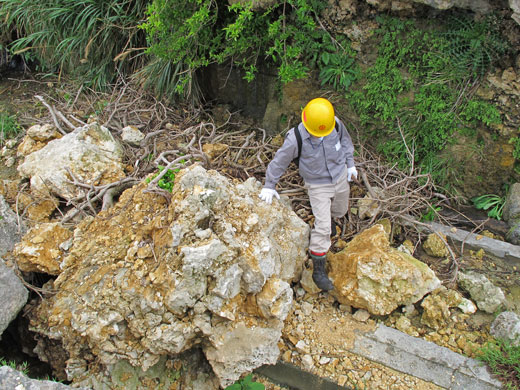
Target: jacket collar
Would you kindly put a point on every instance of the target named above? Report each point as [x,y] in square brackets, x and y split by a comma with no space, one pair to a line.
[305,134]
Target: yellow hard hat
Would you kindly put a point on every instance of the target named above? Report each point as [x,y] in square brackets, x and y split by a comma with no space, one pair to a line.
[318,117]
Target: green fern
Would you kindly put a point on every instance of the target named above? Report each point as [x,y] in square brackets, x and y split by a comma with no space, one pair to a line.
[474,46]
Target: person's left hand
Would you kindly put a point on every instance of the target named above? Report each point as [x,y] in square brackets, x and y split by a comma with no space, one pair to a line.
[351,172]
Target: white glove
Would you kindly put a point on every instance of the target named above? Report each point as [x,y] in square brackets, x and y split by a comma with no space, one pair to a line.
[352,171]
[267,195]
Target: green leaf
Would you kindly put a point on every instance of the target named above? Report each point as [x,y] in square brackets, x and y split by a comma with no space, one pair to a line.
[235,386]
[325,58]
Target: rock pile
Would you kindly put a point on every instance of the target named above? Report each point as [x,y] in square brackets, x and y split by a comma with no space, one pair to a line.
[150,278]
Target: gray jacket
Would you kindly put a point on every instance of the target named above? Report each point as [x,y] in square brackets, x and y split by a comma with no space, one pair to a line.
[321,161]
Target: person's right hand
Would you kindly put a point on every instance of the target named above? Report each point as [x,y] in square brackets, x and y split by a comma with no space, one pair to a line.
[267,195]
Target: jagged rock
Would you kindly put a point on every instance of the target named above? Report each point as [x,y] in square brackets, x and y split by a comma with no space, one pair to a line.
[10,232]
[15,380]
[9,189]
[146,279]
[407,247]
[13,296]
[214,150]
[307,283]
[369,207]
[404,324]
[435,246]
[507,81]
[89,153]
[479,6]
[486,295]
[507,326]
[371,275]
[40,209]
[515,6]
[511,210]
[132,135]
[436,313]
[39,250]
[187,371]
[511,214]
[37,137]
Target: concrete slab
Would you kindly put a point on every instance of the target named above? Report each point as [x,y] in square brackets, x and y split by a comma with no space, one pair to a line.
[397,350]
[504,250]
[424,360]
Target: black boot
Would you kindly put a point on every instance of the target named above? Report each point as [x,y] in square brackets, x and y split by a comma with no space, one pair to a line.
[319,275]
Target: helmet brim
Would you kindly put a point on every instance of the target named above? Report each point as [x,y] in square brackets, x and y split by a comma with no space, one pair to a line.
[314,133]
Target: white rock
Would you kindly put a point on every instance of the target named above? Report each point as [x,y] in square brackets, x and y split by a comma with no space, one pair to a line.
[132,135]
[302,347]
[361,315]
[467,306]
[324,360]
[307,308]
[308,362]
[90,153]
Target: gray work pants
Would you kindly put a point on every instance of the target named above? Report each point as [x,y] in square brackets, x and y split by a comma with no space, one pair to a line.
[327,201]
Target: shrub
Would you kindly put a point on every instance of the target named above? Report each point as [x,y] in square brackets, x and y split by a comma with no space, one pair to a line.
[190,35]
[413,99]
[91,39]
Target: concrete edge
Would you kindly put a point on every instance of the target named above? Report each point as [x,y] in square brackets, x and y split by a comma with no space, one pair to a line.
[424,360]
[505,250]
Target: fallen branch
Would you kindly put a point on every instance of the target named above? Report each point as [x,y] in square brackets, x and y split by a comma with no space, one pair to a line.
[53,114]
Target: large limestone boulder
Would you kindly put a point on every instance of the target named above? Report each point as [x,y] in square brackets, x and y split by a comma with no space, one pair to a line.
[13,296]
[89,153]
[10,231]
[16,380]
[148,278]
[369,274]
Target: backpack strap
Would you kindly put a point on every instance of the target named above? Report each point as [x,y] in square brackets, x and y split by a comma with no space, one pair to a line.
[296,160]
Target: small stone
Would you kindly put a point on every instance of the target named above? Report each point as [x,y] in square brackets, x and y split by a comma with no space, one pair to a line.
[308,363]
[302,347]
[345,308]
[467,306]
[10,161]
[435,246]
[361,315]
[307,308]
[342,380]
[507,326]
[300,292]
[324,360]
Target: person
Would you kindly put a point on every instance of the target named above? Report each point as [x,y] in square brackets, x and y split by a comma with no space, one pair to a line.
[325,158]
